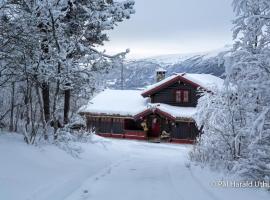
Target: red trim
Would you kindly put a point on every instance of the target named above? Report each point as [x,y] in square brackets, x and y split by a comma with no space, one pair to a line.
[143,114]
[182,141]
[135,133]
[113,135]
[135,137]
[105,134]
[158,111]
[177,78]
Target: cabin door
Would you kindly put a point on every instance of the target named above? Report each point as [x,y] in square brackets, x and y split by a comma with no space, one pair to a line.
[155,126]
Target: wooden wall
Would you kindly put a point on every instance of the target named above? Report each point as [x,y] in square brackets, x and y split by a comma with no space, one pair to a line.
[181,130]
[167,95]
[105,124]
[185,130]
[130,124]
[118,125]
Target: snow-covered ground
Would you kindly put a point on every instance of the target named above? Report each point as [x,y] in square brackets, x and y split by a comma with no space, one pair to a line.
[108,169]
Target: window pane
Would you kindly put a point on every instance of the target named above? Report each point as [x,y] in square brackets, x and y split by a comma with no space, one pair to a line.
[178,96]
[186,94]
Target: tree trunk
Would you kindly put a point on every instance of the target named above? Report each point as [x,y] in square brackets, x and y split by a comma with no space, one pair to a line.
[55,98]
[43,120]
[46,101]
[27,105]
[11,124]
[122,75]
[55,119]
[67,106]
[18,110]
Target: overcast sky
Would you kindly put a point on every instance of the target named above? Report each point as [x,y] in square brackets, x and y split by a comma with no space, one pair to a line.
[173,26]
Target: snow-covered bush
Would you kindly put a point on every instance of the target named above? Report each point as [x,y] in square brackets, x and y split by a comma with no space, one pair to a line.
[220,116]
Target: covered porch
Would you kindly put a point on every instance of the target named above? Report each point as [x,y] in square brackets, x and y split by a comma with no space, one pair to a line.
[152,124]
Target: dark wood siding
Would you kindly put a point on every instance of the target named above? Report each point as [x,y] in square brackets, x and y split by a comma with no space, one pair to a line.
[92,123]
[105,124]
[167,95]
[118,126]
[185,130]
[181,130]
[130,124]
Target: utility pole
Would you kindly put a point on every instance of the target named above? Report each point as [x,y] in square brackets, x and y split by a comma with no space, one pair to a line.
[122,75]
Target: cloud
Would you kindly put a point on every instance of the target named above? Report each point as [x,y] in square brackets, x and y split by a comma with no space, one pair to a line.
[173,26]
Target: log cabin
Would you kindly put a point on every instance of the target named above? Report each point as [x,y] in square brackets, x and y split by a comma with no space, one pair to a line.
[163,110]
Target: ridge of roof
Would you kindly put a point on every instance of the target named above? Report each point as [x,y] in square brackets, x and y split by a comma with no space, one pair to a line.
[204,81]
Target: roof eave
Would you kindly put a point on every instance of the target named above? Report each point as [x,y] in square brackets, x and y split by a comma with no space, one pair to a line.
[155,110]
[104,115]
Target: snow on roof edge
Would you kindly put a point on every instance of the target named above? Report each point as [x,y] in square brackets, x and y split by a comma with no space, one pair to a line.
[100,105]
[206,81]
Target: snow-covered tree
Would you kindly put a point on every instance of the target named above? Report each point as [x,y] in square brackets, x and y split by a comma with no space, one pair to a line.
[49,48]
[249,71]
[219,114]
[236,121]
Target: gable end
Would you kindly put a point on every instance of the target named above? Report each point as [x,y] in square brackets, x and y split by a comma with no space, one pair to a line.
[168,83]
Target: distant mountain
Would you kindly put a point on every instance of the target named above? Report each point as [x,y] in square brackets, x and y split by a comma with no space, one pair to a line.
[141,72]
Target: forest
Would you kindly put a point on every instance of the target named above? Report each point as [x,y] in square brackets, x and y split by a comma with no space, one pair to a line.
[49,60]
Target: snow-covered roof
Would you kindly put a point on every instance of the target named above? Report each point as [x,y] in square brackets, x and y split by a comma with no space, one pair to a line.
[205,81]
[130,103]
[175,111]
[116,102]
[150,87]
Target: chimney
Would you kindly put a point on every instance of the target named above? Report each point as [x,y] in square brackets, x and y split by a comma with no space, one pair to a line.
[160,74]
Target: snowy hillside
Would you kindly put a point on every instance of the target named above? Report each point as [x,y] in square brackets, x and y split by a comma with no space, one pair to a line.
[173,59]
[138,73]
[107,169]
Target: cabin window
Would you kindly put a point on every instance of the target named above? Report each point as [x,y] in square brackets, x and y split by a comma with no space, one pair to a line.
[178,96]
[185,96]
[182,96]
